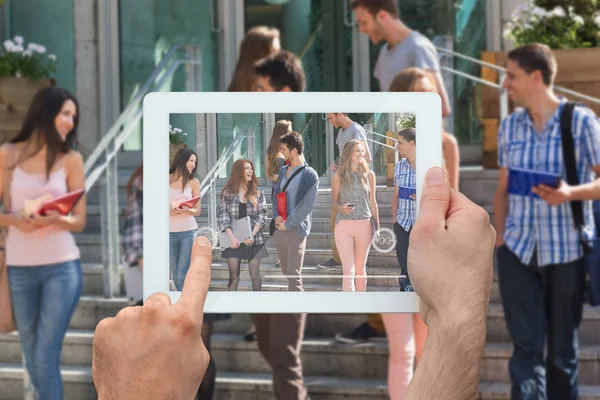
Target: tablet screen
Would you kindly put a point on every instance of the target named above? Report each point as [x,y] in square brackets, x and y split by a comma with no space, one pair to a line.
[242,164]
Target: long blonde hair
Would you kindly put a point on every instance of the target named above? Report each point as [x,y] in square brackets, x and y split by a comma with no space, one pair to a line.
[257,44]
[281,128]
[345,168]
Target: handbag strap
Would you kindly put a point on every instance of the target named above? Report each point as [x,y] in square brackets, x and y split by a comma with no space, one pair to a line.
[568,150]
[292,177]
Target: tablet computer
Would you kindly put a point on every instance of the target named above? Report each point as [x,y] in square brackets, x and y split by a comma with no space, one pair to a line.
[231,127]
[241,229]
[63,204]
[521,181]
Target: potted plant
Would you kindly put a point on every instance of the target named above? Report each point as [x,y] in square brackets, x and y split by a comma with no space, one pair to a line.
[24,69]
[177,140]
[571,28]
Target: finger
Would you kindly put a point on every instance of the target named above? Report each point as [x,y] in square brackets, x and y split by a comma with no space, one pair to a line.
[197,280]
[158,300]
[435,201]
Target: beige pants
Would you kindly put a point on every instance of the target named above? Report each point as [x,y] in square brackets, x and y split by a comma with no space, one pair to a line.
[290,250]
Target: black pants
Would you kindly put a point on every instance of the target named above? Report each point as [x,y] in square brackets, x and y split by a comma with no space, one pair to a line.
[402,240]
[539,303]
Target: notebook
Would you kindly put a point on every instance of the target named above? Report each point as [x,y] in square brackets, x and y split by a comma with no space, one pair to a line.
[63,204]
[404,192]
[520,181]
[241,229]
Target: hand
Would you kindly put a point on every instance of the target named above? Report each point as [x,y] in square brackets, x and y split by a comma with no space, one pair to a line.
[24,224]
[450,254]
[554,196]
[280,225]
[413,197]
[234,243]
[175,206]
[333,167]
[140,263]
[163,337]
[346,209]
[50,218]
[279,220]
[248,242]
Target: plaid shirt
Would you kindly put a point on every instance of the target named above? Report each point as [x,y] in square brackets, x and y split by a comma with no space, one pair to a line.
[229,211]
[404,175]
[531,223]
[132,238]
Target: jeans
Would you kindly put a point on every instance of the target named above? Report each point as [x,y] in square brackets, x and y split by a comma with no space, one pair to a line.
[542,303]
[44,299]
[180,254]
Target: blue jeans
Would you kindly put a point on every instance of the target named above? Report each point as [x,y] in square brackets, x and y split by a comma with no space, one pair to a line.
[180,254]
[542,303]
[44,299]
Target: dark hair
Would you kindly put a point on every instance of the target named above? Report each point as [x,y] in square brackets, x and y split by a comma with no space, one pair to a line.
[39,125]
[293,140]
[283,69]
[374,6]
[535,57]
[257,44]
[137,174]
[408,134]
[178,167]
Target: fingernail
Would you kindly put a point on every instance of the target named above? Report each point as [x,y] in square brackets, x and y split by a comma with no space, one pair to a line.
[435,176]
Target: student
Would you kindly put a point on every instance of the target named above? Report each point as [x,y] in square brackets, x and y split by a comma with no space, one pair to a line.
[348,130]
[354,199]
[241,197]
[454,303]
[540,258]
[183,185]
[45,284]
[132,238]
[280,335]
[404,48]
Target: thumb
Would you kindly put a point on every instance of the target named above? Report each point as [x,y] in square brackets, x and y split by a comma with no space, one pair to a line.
[435,200]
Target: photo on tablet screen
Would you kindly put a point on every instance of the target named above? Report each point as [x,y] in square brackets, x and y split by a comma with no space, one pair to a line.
[306,211]
[356,188]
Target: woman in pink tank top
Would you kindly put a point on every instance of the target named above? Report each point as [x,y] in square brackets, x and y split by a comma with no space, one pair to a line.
[183,185]
[42,258]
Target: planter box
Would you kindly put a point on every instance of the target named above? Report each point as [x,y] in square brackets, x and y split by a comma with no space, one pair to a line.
[578,70]
[15,97]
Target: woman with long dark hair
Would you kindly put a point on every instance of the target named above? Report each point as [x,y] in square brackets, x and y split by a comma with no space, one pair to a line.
[183,185]
[242,197]
[45,284]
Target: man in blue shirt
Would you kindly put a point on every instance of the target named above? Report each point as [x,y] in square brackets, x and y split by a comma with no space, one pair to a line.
[540,265]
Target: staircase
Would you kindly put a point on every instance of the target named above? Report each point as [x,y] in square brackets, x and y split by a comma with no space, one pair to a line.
[332,371]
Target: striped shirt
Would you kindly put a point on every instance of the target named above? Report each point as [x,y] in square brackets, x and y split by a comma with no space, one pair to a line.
[405,176]
[531,223]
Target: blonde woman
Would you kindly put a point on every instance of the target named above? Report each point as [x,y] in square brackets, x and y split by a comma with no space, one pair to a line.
[274,160]
[353,196]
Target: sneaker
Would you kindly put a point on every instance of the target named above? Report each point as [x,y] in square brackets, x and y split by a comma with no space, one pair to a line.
[362,333]
[250,336]
[330,264]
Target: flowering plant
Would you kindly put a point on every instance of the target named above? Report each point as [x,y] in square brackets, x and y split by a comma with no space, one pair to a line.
[555,24]
[176,135]
[31,61]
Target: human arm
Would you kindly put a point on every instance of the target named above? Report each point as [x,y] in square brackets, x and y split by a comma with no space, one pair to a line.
[373,199]
[335,196]
[75,222]
[446,109]
[10,218]
[306,205]
[450,262]
[225,221]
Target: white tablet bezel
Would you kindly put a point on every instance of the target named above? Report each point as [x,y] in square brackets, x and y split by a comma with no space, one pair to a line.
[427,108]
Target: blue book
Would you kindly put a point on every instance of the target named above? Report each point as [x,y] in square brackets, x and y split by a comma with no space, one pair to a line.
[404,192]
[521,181]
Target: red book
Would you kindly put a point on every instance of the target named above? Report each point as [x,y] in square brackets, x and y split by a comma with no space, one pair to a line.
[63,204]
[189,203]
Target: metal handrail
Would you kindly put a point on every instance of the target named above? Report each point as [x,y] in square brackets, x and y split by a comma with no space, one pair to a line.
[503,70]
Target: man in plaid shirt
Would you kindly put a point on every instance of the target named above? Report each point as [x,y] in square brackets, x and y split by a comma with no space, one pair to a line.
[540,264]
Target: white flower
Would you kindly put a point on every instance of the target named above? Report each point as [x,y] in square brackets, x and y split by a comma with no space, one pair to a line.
[558,12]
[18,49]
[177,130]
[19,39]
[184,134]
[28,53]
[9,45]
[52,57]
[539,12]
[578,19]
[40,49]
[18,74]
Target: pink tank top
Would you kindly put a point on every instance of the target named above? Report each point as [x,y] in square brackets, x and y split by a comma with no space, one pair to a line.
[48,245]
[183,222]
